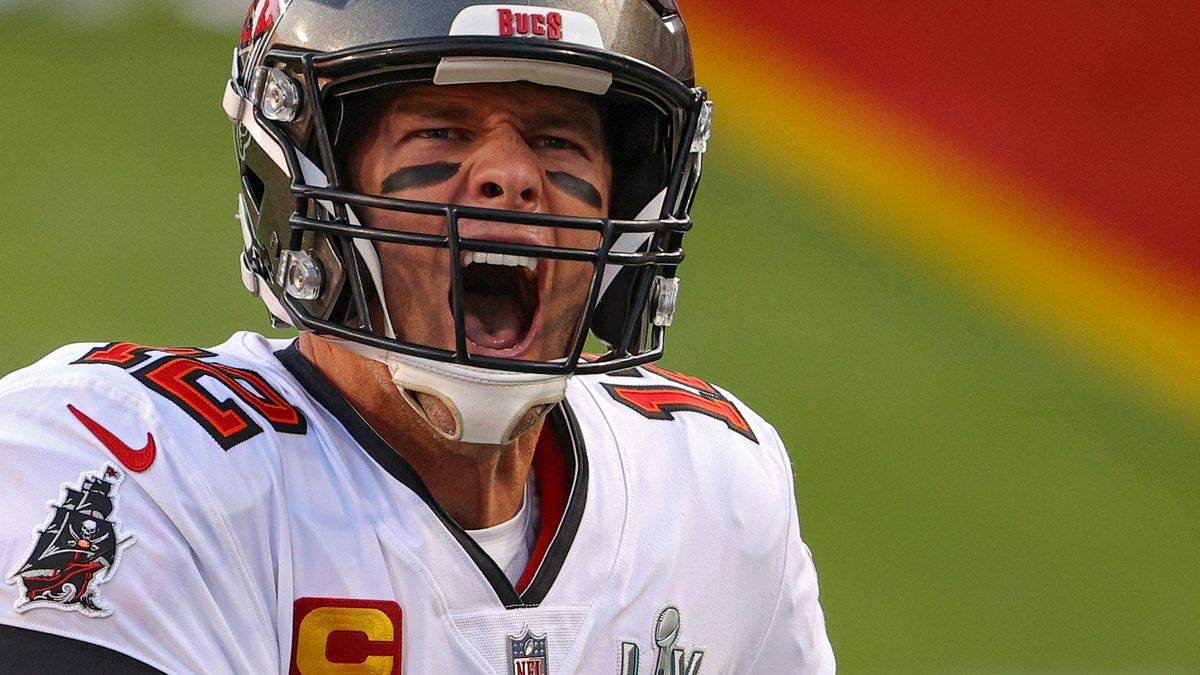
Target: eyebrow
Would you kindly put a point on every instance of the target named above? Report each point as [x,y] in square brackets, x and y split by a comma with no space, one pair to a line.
[541,120]
[576,187]
[420,175]
[557,119]
[591,127]
[448,111]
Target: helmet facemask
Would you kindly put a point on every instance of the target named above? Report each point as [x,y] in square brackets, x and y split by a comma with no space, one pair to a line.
[329,270]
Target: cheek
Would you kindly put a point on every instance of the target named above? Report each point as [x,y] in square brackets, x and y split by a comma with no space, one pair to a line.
[583,241]
[399,221]
[421,261]
[413,276]
[569,290]
[365,166]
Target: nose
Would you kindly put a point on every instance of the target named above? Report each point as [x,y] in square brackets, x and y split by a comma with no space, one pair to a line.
[505,173]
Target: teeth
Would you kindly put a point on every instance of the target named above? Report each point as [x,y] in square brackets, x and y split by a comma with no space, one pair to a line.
[503,259]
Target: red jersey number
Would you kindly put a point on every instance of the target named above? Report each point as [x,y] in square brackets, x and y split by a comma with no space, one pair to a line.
[180,376]
[662,401]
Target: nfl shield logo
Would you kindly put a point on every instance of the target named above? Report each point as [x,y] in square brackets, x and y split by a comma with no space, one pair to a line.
[528,652]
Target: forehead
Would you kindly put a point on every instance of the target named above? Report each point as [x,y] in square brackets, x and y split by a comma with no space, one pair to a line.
[527,103]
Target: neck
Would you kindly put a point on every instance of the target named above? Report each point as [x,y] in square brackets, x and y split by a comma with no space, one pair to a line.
[478,485]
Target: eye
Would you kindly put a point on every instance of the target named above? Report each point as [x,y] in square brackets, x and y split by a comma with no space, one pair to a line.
[435,133]
[555,143]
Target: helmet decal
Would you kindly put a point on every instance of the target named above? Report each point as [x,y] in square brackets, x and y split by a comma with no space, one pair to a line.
[548,25]
[533,24]
[260,17]
[528,21]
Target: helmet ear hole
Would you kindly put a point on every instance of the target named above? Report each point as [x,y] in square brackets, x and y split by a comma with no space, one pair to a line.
[612,312]
[346,310]
[255,187]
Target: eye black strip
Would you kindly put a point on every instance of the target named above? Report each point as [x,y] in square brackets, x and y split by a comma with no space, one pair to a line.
[576,187]
[421,175]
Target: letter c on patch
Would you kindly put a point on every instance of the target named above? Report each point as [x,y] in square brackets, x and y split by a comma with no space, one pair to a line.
[346,636]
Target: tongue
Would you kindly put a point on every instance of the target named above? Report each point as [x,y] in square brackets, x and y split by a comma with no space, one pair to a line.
[493,321]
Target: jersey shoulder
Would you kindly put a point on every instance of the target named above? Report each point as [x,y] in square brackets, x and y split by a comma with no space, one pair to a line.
[672,408]
[214,420]
[228,393]
[117,423]
[676,430]
[708,481]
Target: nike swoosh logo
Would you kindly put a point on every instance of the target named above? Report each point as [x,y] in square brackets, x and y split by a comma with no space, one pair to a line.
[135,460]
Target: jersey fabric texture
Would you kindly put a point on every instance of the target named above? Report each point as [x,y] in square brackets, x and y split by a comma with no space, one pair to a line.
[225,511]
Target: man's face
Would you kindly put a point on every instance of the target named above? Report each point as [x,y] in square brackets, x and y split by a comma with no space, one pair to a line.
[516,146]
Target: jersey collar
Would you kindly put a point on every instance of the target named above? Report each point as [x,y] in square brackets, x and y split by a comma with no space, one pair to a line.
[560,462]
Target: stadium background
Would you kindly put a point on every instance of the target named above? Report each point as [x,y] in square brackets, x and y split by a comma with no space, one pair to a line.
[950,250]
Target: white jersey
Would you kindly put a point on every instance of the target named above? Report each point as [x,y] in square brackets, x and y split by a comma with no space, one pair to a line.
[224,511]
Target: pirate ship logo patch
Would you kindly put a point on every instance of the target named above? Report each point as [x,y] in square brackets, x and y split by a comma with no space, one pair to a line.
[76,550]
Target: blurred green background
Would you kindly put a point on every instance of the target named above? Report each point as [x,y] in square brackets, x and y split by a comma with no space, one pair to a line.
[976,497]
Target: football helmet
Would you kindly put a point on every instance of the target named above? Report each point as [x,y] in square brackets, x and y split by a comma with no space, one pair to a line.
[312,257]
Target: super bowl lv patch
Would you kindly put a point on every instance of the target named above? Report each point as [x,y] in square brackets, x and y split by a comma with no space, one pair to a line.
[77,549]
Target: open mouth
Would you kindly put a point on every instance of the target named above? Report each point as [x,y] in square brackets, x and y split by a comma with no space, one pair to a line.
[500,299]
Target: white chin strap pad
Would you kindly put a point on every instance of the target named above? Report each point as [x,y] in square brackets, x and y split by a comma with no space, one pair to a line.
[487,405]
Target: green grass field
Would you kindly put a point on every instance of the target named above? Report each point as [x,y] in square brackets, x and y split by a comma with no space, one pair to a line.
[978,498]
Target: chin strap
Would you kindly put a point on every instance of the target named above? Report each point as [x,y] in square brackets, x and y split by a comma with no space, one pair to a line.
[487,405]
